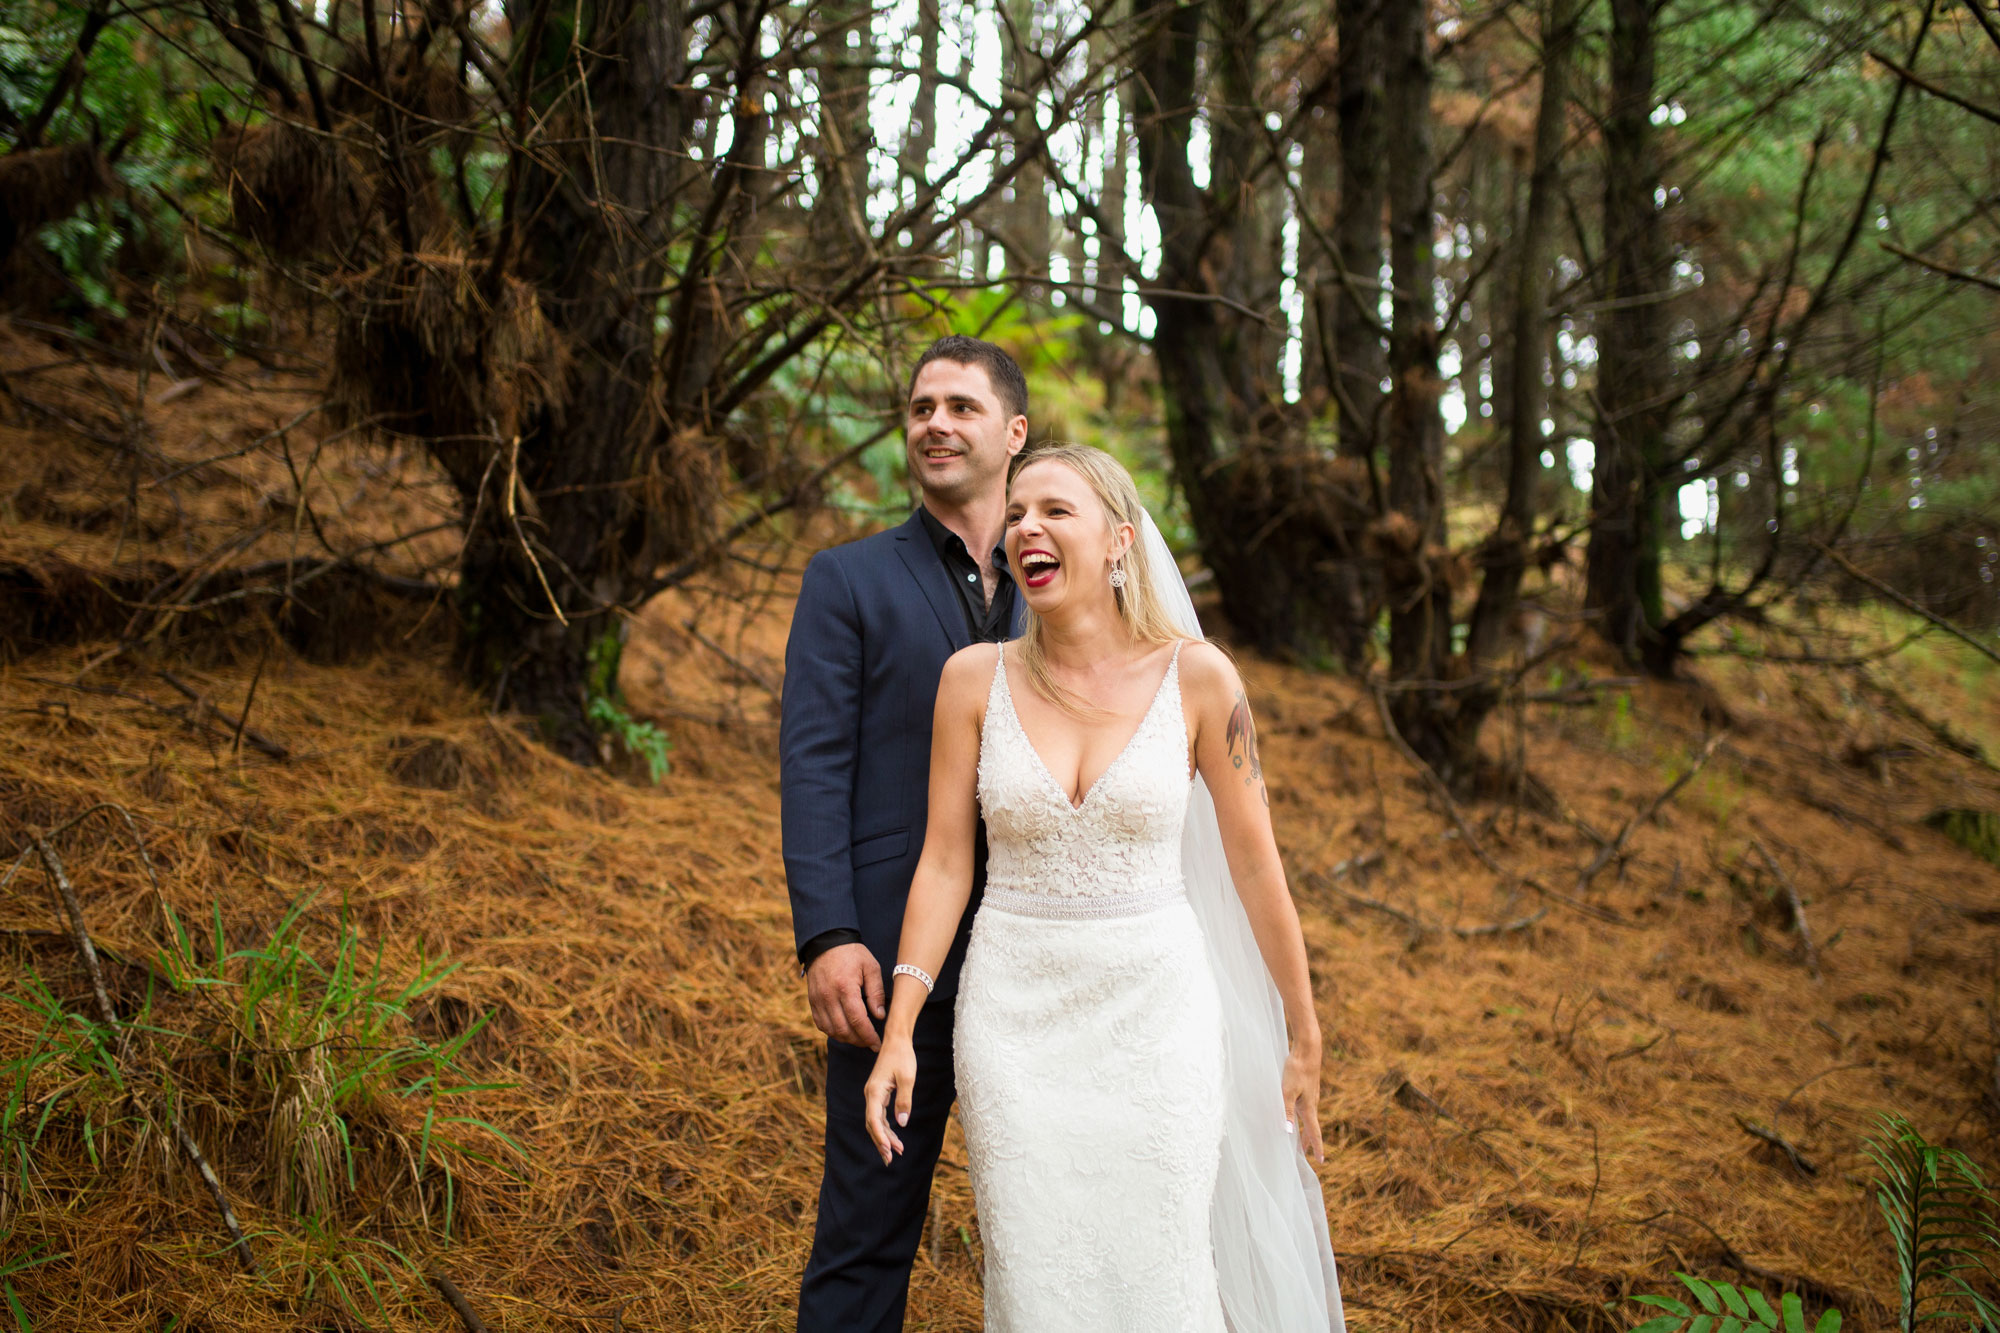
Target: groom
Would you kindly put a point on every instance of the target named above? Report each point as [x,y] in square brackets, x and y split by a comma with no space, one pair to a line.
[876,620]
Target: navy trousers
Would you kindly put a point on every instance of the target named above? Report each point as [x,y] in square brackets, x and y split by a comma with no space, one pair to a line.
[871,1216]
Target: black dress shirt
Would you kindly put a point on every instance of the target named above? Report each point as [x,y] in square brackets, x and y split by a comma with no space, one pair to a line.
[987,622]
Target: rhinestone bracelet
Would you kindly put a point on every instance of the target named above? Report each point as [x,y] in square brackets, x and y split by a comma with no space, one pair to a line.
[906,970]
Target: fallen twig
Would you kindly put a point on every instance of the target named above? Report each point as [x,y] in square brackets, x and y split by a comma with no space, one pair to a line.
[1417,926]
[1863,1064]
[1413,1098]
[1584,1230]
[88,952]
[456,1299]
[249,698]
[1807,1287]
[1361,861]
[204,708]
[1433,781]
[195,720]
[237,1240]
[80,936]
[138,845]
[1798,907]
[1781,1143]
[1501,927]
[1639,1049]
[743,669]
[1616,847]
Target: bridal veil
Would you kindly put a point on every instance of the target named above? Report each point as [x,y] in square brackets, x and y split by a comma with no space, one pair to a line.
[1273,1257]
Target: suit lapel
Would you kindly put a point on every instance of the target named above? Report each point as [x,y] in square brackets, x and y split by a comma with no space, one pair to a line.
[920,558]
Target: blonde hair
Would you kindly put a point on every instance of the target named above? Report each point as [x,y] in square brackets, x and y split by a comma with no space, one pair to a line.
[1139,604]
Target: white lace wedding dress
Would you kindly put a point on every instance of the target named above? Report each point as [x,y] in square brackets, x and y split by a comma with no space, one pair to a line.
[1089,1041]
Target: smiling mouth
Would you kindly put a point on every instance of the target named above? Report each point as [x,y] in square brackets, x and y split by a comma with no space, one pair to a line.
[1038,567]
[938,453]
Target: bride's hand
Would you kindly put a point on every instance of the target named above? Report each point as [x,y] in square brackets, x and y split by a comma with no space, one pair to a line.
[894,1078]
[1301,1091]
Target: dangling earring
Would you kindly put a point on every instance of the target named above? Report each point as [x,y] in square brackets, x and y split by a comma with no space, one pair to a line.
[1117,576]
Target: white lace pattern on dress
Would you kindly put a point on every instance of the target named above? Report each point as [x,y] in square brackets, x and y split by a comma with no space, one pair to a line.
[1089,1042]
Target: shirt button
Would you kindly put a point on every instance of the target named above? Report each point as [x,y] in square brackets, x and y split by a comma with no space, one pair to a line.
[972,578]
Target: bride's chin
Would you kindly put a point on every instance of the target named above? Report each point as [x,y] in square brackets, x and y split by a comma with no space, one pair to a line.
[1044,602]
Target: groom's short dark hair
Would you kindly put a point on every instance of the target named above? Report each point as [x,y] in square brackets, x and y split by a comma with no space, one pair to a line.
[1001,369]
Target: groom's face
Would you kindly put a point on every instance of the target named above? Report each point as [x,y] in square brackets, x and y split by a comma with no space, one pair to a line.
[958,435]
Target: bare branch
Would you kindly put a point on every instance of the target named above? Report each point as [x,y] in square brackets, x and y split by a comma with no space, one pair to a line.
[1942,94]
[1955,274]
[1908,604]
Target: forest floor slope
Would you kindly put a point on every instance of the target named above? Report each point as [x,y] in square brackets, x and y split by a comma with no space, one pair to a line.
[1542,1079]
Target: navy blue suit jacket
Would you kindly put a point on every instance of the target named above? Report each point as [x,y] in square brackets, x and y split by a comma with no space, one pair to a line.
[876,620]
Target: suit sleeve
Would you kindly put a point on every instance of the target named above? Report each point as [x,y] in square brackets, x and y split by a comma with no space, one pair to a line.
[819,735]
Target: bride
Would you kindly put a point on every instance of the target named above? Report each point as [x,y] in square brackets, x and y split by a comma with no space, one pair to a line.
[1136,1116]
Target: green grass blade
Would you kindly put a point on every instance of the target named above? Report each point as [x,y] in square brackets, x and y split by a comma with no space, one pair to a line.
[361,1271]
[424,1141]
[492,1129]
[30,1260]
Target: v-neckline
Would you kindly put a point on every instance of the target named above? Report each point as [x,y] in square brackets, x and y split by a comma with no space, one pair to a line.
[1078,807]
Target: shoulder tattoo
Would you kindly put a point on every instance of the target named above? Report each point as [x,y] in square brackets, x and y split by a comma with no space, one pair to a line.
[1241,739]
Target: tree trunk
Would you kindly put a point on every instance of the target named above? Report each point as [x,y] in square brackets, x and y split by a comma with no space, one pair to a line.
[566,493]
[1319,200]
[1279,525]
[913,155]
[1364,187]
[843,132]
[1246,249]
[1026,223]
[1111,353]
[1504,558]
[1416,564]
[1513,169]
[1622,578]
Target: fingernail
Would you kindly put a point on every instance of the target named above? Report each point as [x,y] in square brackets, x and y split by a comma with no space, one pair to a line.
[902,1117]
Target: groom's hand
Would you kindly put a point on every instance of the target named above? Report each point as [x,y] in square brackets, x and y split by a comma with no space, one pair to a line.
[844,987]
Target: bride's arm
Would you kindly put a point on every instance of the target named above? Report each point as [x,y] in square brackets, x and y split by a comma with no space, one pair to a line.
[941,887]
[1225,752]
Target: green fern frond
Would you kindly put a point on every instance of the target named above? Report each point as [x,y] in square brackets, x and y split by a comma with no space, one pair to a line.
[1942,1220]
[1727,1308]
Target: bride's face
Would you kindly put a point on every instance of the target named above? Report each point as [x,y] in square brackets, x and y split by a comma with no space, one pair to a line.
[1061,542]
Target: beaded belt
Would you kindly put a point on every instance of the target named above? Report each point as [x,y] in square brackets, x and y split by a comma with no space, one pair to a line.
[1081,907]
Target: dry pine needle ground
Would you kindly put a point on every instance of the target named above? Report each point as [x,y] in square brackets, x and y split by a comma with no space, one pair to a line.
[1521,1126]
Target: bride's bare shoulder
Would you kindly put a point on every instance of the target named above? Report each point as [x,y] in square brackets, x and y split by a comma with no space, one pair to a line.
[1207,672]
[968,673]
